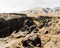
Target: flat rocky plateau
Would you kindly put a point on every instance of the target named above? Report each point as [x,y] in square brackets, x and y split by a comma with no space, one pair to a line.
[22,31]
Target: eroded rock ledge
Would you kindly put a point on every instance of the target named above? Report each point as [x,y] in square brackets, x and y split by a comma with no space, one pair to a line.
[20,31]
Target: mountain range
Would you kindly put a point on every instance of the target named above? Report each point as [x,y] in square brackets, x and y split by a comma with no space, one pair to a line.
[42,11]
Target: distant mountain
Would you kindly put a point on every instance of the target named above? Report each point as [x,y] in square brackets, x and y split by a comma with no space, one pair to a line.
[37,10]
[49,10]
[43,11]
[57,9]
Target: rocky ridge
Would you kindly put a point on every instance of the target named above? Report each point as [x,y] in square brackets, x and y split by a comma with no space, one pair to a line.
[21,31]
[39,11]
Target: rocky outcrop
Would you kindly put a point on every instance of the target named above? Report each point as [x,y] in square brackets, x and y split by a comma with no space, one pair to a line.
[29,32]
[31,40]
[15,24]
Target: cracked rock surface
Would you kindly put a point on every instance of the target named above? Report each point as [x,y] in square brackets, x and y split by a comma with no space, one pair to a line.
[20,31]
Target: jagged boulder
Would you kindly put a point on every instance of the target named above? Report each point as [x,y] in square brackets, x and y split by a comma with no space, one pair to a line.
[8,26]
[15,24]
[31,40]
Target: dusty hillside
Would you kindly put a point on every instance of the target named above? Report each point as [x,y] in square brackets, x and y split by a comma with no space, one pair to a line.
[39,11]
[23,31]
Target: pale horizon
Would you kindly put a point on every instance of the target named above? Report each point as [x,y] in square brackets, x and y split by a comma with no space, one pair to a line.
[21,5]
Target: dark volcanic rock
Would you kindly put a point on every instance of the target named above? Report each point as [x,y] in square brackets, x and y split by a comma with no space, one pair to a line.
[31,40]
[15,24]
[8,26]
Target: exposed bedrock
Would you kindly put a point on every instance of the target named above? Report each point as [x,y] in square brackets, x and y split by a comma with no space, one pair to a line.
[15,24]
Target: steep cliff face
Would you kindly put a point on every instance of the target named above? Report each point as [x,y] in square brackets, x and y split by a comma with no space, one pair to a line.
[18,31]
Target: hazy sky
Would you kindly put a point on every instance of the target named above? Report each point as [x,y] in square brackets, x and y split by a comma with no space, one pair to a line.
[19,5]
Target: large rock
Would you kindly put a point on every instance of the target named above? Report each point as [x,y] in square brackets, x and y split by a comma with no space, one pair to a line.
[31,40]
[15,24]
